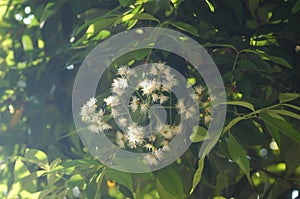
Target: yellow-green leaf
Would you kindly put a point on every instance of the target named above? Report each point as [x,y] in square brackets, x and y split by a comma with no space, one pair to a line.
[285,97]
[198,174]
[37,157]
[241,103]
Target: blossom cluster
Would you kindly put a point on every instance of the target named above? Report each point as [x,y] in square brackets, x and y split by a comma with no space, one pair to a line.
[126,116]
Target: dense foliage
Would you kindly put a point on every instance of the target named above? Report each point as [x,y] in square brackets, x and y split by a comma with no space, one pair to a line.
[254,43]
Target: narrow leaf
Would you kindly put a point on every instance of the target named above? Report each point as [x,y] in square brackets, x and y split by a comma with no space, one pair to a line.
[285,97]
[292,106]
[296,7]
[198,174]
[241,103]
[275,59]
[185,27]
[145,16]
[283,126]
[285,112]
[239,155]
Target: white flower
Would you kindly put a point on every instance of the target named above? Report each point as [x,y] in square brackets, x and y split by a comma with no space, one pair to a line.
[132,145]
[97,124]
[150,159]
[114,112]
[211,98]
[166,131]
[163,98]
[122,121]
[155,97]
[148,86]
[170,82]
[167,72]
[207,119]
[134,104]
[112,101]
[158,154]
[164,143]
[180,106]
[144,107]
[166,148]
[190,112]
[105,126]
[88,110]
[152,138]
[120,139]
[91,102]
[177,129]
[153,70]
[161,66]
[135,134]
[199,89]
[195,97]
[87,113]
[94,128]
[125,71]
[119,85]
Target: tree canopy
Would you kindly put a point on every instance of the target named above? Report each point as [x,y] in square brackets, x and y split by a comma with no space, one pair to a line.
[255,45]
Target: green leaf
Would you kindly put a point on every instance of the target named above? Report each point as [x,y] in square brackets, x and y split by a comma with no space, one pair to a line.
[98,23]
[239,155]
[185,27]
[292,106]
[199,134]
[14,190]
[198,174]
[177,3]
[241,103]
[232,123]
[275,59]
[283,126]
[120,177]
[37,157]
[169,179]
[75,180]
[284,112]
[247,65]
[20,170]
[275,134]
[210,5]
[296,7]
[162,192]
[145,16]
[221,45]
[49,10]
[285,97]
[51,177]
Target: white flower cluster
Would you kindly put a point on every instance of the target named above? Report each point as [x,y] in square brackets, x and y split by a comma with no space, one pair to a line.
[92,117]
[154,88]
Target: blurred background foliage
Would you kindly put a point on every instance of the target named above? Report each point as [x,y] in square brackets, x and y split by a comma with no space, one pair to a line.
[254,43]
